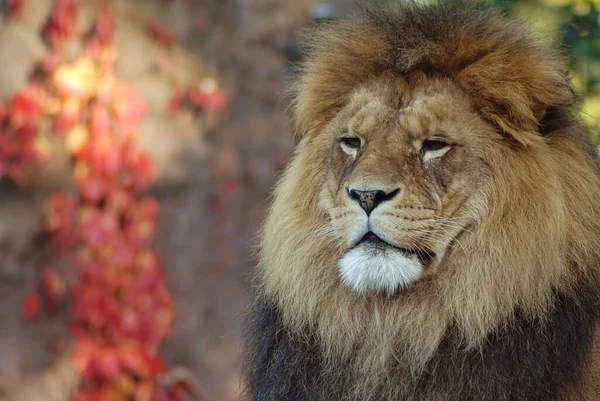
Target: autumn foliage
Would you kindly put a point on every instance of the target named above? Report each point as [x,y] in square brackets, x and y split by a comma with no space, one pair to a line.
[121,311]
[19,122]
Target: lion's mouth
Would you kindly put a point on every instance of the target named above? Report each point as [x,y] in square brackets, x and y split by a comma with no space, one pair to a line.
[374,265]
[377,244]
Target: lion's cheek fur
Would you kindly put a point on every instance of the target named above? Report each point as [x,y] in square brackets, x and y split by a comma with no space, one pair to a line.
[517,254]
[286,255]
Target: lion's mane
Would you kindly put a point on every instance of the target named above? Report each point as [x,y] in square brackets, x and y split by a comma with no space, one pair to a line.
[516,303]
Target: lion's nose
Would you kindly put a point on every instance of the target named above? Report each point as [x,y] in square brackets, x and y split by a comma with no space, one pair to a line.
[369,200]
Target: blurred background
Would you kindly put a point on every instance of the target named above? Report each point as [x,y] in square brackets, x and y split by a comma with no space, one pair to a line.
[139,142]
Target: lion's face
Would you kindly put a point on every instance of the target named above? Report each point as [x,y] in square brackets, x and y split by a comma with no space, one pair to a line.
[406,167]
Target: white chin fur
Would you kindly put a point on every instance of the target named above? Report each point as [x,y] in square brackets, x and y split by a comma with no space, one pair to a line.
[386,270]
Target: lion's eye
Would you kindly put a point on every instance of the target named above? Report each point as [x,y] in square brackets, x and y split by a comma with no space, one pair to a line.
[351,142]
[435,147]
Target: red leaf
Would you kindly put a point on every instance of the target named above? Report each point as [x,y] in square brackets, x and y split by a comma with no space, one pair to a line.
[18,175]
[141,172]
[133,359]
[99,121]
[106,362]
[62,22]
[119,200]
[149,207]
[25,107]
[144,391]
[50,61]
[156,364]
[129,109]
[3,114]
[66,118]
[16,6]
[130,323]
[105,26]
[8,146]
[228,188]
[174,104]
[108,161]
[208,95]
[31,305]
[54,286]
[82,354]
[93,188]
[59,212]
[216,101]
[160,33]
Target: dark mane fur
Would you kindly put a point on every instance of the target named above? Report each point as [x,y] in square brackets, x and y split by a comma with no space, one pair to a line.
[532,360]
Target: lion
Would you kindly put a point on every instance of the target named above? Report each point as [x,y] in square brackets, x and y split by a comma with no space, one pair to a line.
[436,236]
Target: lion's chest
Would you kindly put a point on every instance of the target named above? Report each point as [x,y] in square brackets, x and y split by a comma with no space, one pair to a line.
[527,363]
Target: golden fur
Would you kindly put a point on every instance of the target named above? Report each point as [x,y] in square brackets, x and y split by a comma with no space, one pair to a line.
[518,221]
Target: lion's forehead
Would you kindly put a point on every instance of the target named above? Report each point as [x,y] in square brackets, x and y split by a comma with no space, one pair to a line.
[407,113]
